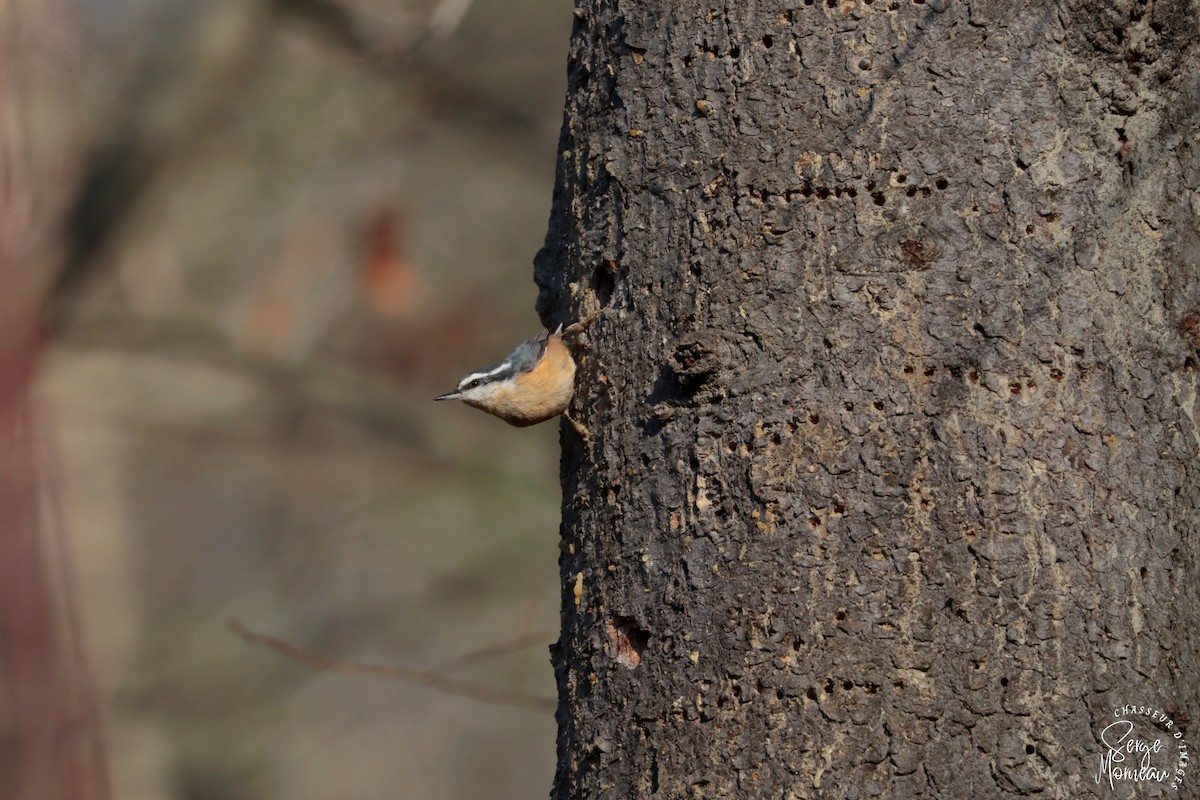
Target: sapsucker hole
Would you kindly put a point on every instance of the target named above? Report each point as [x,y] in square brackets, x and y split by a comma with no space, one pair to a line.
[627,639]
[768,41]
[941,183]
[878,198]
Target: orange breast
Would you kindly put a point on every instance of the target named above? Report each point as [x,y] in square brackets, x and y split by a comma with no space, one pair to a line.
[541,393]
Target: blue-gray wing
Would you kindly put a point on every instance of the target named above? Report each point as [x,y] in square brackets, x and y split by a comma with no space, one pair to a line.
[529,352]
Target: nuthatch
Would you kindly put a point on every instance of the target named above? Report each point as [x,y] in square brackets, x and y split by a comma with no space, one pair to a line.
[532,385]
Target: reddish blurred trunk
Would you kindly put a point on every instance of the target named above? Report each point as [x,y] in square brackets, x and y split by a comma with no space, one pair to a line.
[50,737]
[50,745]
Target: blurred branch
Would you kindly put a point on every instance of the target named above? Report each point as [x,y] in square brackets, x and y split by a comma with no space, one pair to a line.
[475,691]
[518,643]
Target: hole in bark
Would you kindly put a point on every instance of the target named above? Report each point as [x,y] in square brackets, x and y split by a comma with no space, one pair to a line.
[1029,229]
[1142,572]
[627,640]
[911,191]
[901,177]
[1056,374]
[878,198]
[1015,388]
[839,615]
[822,192]
[828,686]
[847,685]
[814,418]
[768,41]
[813,522]
[864,64]
[878,405]
[908,370]
[811,693]
[604,282]
[973,376]
[779,694]
[1189,364]
[1004,681]
[1189,327]
[838,508]
[928,372]
[851,192]
[1029,749]
[735,51]
[848,406]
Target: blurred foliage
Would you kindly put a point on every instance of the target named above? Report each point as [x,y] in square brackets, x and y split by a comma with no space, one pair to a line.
[287,226]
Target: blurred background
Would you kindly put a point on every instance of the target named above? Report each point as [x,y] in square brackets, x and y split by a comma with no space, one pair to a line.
[270,233]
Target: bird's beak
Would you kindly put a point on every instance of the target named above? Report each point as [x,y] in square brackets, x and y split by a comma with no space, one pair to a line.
[448,396]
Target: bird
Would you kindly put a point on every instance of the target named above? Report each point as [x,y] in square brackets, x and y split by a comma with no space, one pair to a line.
[535,383]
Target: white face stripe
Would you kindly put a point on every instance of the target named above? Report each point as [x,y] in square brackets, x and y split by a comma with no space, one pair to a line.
[484,375]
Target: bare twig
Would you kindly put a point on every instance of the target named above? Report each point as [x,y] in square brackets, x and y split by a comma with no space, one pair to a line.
[520,642]
[476,691]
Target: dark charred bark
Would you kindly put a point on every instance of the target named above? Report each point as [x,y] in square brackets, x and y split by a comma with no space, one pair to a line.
[892,488]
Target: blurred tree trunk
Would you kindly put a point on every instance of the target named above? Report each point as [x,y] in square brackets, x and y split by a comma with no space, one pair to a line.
[892,487]
[51,742]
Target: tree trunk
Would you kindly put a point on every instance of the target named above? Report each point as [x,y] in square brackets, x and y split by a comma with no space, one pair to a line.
[892,481]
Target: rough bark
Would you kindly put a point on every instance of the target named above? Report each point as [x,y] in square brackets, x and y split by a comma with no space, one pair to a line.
[892,486]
